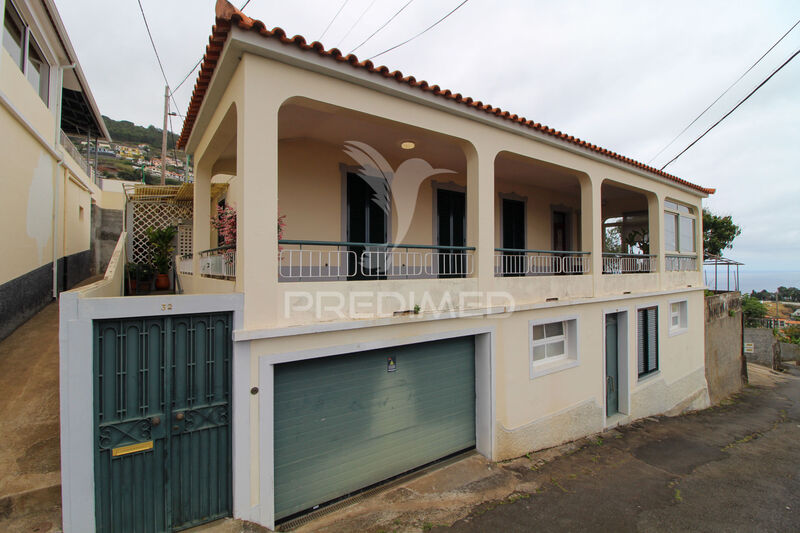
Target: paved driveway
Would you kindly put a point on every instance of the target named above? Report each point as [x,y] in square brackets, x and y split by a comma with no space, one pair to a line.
[735,467]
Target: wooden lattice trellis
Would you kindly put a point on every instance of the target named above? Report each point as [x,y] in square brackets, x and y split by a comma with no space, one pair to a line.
[157,215]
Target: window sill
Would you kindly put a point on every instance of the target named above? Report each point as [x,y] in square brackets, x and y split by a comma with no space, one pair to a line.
[678,331]
[542,369]
[648,377]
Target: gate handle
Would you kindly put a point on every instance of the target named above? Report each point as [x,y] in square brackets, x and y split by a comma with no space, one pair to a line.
[179,416]
[155,421]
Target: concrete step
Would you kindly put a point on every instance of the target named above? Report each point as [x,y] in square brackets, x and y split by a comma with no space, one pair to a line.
[37,510]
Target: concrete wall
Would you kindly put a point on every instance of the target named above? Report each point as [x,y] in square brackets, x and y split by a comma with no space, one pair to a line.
[766,350]
[790,352]
[45,205]
[106,229]
[725,370]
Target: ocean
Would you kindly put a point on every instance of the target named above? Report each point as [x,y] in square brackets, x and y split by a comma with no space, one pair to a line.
[755,280]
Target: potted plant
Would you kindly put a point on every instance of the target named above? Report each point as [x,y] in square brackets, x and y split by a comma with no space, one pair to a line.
[161,249]
[139,277]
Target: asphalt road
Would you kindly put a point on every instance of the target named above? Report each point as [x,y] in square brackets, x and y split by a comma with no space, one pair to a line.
[730,468]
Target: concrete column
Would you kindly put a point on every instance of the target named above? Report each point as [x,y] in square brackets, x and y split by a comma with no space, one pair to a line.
[655,210]
[480,212]
[592,226]
[257,168]
[201,212]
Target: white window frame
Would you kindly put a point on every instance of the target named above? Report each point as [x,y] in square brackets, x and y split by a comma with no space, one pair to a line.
[28,40]
[657,372]
[672,207]
[683,317]
[569,359]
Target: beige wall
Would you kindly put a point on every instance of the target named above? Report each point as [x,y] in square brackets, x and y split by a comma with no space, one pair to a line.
[31,177]
[546,410]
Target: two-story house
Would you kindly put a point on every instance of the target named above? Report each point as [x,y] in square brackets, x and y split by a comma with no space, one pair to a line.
[412,273]
[48,187]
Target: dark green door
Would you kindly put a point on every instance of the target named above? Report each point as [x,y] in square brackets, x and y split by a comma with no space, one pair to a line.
[162,419]
[612,365]
[346,422]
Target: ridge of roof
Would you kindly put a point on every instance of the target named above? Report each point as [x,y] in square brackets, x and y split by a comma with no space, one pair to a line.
[228,15]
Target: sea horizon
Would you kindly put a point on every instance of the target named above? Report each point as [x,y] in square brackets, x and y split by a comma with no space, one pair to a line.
[754,280]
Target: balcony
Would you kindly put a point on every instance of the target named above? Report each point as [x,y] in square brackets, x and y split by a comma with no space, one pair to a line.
[75,154]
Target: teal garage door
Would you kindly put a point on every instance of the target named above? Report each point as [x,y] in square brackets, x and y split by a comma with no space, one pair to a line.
[346,422]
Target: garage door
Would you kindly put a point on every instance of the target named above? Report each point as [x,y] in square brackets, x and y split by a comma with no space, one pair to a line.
[346,422]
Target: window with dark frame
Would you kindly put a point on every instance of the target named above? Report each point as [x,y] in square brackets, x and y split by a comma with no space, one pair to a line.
[647,340]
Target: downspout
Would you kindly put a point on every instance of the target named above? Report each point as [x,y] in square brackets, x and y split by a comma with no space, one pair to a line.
[60,166]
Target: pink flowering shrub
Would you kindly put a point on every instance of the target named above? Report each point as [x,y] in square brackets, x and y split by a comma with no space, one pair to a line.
[225,224]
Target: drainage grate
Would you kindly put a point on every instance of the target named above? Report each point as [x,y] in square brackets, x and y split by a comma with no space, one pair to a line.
[346,501]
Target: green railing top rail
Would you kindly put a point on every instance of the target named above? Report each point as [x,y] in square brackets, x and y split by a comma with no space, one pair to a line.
[219,248]
[529,251]
[295,242]
[614,254]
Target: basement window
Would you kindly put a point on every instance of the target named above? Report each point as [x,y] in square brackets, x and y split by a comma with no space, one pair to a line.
[553,345]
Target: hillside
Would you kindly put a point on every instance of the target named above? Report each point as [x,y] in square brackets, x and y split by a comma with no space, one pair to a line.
[126,131]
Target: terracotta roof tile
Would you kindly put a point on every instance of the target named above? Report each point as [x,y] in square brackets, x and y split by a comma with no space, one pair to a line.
[227,15]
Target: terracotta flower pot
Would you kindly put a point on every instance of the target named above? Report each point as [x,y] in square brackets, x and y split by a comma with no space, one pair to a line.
[162,281]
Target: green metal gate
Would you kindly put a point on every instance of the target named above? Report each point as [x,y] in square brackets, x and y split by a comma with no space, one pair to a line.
[345,422]
[162,422]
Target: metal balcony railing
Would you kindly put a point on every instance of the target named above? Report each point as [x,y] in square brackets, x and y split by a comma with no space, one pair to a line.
[629,263]
[681,263]
[523,262]
[303,260]
[218,262]
[185,263]
[66,143]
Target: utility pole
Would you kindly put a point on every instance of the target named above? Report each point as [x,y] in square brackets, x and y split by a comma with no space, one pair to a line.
[164,137]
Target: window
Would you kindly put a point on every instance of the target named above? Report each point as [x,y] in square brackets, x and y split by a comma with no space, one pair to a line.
[553,345]
[20,44]
[627,234]
[679,226]
[13,34]
[647,340]
[678,317]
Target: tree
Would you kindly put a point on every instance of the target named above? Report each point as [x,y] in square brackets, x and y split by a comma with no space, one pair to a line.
[752,308]
[718,232]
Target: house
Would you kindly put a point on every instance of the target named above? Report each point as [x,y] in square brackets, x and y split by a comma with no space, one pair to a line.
[411,273]
[796,314]
[49,190]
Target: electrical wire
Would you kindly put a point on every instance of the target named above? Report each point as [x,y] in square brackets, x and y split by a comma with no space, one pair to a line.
[356,23]
[332,20]
[194,68]
[743,100]
[383,26]
[724,92]
[422,32]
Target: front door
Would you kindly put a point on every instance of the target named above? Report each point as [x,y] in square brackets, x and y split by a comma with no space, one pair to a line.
[366,223]
[560,235]
[162,422]
[514,237]
[612,364]
[451,226]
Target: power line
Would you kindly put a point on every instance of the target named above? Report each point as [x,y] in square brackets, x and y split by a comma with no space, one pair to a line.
[383,26]
[356,23]
[724,92]
[734,109]
[194,68]
[332,20]
[422,32]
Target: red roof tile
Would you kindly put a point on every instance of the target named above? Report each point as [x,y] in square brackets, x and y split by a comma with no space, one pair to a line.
[227,15]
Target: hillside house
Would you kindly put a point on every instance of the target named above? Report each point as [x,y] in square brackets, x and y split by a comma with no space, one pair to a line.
[448,276]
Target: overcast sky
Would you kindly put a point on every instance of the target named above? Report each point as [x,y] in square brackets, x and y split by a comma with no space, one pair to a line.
[627,75]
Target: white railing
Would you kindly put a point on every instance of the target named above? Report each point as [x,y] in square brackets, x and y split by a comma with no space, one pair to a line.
[540,262]
[317,264]
[218,262]
[331,261]
[629,263]
[185,264]
[449,264]
[681,263]
[67,144]
[395,263]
